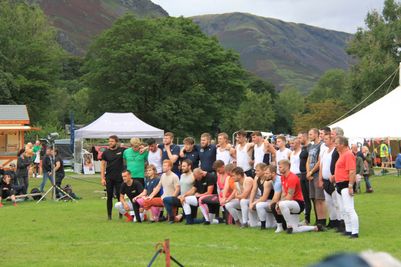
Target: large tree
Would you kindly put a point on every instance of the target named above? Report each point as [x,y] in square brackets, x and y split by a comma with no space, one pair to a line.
[167,72]
[29,57]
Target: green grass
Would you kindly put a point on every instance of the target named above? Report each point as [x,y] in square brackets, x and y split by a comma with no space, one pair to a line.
[78,234]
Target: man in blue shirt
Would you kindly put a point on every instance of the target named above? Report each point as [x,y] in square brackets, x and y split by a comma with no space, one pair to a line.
[189,151]
[207,153]
[170,151]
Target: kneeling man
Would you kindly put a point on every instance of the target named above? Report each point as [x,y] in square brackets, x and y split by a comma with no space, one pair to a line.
[132,188]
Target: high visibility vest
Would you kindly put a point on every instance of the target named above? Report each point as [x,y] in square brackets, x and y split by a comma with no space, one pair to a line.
[383,151]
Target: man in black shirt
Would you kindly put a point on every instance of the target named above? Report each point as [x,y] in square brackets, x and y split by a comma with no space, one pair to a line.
[111,170]
[189,151]
[207,153]
[6,189]
[303,138]
[204,185]
[47,163]
[132,188]
[59,169]
[170,151]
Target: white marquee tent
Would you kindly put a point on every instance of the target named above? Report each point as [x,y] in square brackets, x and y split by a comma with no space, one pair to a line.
[378,120]
[124,125]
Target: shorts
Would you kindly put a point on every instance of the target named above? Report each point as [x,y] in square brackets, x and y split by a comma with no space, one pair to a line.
[314,191]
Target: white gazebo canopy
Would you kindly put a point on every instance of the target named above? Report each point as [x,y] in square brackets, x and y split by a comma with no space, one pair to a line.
[124,125]
[378,120]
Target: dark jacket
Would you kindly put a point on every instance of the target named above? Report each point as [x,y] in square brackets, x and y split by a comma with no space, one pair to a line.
[23,164]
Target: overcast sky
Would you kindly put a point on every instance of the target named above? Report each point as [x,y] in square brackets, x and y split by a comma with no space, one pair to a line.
[341,15]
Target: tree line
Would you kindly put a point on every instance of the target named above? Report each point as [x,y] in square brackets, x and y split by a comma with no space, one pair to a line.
[171,75]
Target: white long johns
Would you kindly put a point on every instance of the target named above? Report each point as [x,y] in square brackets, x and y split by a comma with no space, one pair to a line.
[346,203]
[189,201]
[121,209]
[265,214]
[291,206]
[332,205]
[249,216]
[233,208]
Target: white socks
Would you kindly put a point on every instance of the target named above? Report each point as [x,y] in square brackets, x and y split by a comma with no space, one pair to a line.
[279,228]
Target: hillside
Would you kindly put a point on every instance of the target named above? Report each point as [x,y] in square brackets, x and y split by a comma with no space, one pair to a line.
[284,53]
[78,21]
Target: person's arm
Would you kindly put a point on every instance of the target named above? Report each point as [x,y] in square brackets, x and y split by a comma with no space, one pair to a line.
[177,189]
[267,187]
[190,192]
[102,172]
[352,179]
[170,155]
[156,190]
[253,191]
[290,193]
[182,153]
[143,194]
[308,170]
[247,189]
[58,165]
[320,183]
[225,190]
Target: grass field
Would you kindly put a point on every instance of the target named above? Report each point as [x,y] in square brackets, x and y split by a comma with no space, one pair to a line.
[78,234]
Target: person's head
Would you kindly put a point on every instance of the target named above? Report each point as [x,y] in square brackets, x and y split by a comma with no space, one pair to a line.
[28,146]
[241,137]
[7,178]
[189,144]
[341,143]
[218,166]
[257,137]
[313,135]
[151,171]
[284,166]
[56,152]
[167,165]
[152,145]
[354,148]
[126,174]
[365,149]
[324,131]
[135,143]
[328,140]
[21,152]
[186,166]
[281,141]
[205,140]
[260,169]
[198,174]
[303,138]
[237,174]
[113,140]
[49,151]
[271,172]
[12,167]
[337,131]
[37,143]
[168,138]
[222,139]
[229,168]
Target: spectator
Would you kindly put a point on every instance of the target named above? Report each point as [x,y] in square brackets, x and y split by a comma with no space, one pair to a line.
[23,163]
[398,163]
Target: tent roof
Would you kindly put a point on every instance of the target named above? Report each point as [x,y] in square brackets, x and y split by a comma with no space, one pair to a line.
[124,125]
[378,120]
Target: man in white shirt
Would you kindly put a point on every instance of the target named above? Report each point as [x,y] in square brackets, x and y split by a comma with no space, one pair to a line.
[243,152]
[283,152]
[225,152]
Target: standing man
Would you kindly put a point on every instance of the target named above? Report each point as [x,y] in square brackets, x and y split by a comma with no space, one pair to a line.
[312,166]
[259,149]
[155,156]
[111,171]
[37,170]
[292,203]
[47,163]
[170,151]
[225,151]
[345,183]
[243,151]
[59,170]
[303,158]
[207,153]
[132,188]
[190,152]
[135,160]
[283,152]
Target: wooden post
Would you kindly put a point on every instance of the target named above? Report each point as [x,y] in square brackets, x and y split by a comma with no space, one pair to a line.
[167,252]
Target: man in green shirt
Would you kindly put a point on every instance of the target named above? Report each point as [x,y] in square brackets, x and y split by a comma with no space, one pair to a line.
[37,170]
[135,160]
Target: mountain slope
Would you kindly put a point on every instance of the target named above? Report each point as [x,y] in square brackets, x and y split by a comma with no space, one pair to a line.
[78,21]
[284,53]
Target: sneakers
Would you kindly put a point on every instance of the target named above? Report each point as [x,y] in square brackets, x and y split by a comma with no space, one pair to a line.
[370,190]
[347,233]
[279,228]
[319,227]
[15,204]
[354,236]
[1,205]
[243,225]
[289,230]
[206,223]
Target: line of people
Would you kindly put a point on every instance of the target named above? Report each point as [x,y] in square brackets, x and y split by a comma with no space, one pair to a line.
[251,184]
